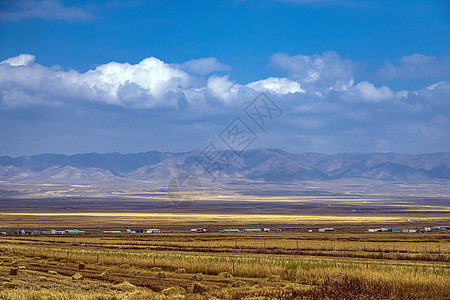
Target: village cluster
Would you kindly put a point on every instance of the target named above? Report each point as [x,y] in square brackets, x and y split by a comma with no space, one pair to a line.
[204,230]
[76,231]
[425,229]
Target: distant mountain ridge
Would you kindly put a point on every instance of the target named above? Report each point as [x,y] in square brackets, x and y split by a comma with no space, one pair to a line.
[256,164]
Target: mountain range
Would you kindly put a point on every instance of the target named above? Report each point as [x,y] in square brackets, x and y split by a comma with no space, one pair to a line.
[271,165]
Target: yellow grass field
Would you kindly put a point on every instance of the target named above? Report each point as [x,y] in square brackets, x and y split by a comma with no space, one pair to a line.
[227,266]
[179,221]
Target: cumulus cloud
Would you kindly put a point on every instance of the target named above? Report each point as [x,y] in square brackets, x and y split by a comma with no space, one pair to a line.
[151,83]
[43,9]
[20,60]
[317,73]
[366,91]
[204,66]
[369,118]
[150,74]
[416,66]
[221,87]
[326,110]
[280,86]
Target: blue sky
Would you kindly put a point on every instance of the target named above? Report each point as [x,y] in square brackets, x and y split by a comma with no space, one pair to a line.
[132,76]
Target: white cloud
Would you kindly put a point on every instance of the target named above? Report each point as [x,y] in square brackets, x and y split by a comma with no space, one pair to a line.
[20,60]
[416,66]
[219,89]
[151,83]
[325,110]
[317,73]
[281,86]
[150,74]
[204,66]
[368,92]
[43,9]
[148,83]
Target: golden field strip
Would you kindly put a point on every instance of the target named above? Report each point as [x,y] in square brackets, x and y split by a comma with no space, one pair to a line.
[180,221]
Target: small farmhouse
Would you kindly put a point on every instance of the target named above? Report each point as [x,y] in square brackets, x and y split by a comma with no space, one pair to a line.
[326,229]
[136,230]
[74,231]
[252,230]
[199,230]
[229,230]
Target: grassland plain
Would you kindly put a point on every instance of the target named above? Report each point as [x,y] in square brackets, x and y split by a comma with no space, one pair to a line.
[227,266]
[292,264]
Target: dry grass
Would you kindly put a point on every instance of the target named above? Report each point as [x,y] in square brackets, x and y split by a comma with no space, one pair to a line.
[124,286]
[225,275]
[189,267]
[77,276]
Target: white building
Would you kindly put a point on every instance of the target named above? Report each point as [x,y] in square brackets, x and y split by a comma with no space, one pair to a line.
[326,229]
